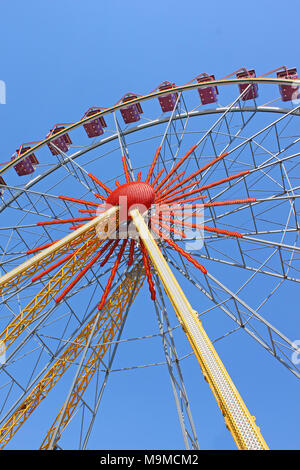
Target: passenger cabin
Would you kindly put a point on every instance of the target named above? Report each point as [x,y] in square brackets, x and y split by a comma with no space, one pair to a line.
[167,101]
[288,92]
[207,94]
[26,166]
[95,127]
[62,143]
[252,93]
[132,112]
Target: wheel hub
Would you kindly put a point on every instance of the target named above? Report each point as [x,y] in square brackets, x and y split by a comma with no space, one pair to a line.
[136,194]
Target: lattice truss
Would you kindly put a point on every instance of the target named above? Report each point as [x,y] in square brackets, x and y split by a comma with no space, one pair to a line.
[235,170]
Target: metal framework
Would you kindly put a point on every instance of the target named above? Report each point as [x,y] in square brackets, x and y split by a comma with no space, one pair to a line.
[237,417]
[246,157]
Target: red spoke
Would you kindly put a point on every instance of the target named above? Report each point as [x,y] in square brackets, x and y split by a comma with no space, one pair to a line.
[102,185]
[38,248]
[55,265]
[182,197]
[207,186]
[162,191]
[198,172]
[148,271]
[179,191]
[125,169]
[114,246]
[173,207]
[131,252]
[112,275]
[157,221]
[182,212]
[74,227]
[222,231]
[83,271]
[224,180]
[100,197]
[65,221]
[157,177]
[153,164]
[88,211]
[228,203]
[201,227]
[181,161]
[181,251]
[79,201]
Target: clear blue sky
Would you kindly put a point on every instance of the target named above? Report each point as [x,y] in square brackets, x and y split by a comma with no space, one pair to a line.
[58,58]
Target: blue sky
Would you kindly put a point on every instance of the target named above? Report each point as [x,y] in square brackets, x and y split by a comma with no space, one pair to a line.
[58,58]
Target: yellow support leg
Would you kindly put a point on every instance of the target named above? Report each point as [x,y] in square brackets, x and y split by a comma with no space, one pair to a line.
[48,255]
[238,420]
[58,280]
[109,321]
[117,311]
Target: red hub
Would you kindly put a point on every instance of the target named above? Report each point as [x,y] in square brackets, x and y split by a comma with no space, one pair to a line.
[132,195]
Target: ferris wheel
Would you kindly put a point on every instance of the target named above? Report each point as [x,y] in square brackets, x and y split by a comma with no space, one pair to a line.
[190,192]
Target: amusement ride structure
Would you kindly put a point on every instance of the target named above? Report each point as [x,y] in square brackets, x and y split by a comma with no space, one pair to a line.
[172,190]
